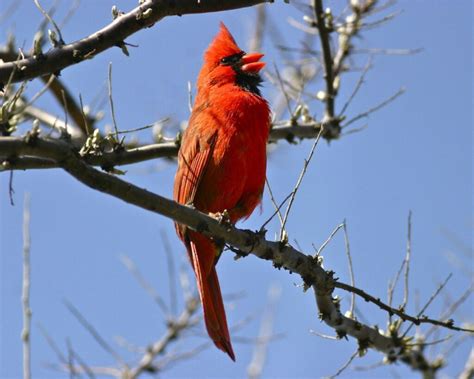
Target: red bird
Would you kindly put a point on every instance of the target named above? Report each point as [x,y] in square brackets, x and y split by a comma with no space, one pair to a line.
[222,162]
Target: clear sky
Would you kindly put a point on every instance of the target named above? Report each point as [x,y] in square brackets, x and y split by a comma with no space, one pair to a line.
[416,154]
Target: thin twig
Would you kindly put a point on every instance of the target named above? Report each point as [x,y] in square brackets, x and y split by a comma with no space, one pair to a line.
[87,127]
[407,264]
[452,308]
[11,190]
[430,300]
[171,272]
[111,101]
[357,87]
[373,51]
[70,360]
[468,371]
[62,359]
[190,97]
[325,336]
[66,112]
[50,19]
[175,328]
[74,7]
[94,333]
[283,90]
[255,43]
[351,269]
[82,364]
[345,365]
[331,236]
[379,106]
[14,5]
[277,207]
[143,127]
[298,183]
[25,297]
[132,268]
[38,94]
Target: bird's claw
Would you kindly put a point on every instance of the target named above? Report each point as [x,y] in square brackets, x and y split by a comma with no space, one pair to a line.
[222,217]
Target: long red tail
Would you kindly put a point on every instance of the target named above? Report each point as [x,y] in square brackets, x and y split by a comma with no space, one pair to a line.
[203,257]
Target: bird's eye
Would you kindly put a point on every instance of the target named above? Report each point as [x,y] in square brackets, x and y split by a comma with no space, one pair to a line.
[232,59]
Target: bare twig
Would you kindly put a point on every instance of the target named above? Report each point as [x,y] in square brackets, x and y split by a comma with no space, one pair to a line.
[25,297]
[351,268]
[325,336]
[407,264]
[111,101]
[86,369]
[298,183]
[70,360]
[255,43]
[52,344]
[468,372]
[357,87]
[12,7]
[132,268]
[11,190]
[452,308]
[50,19]
[94,333]
[331,236]
[379,106]
[327,58]
[175,328]
[66,112]
[430,300]
[277,207]
[345,365]
[283,90]
[171,272]
[87,127]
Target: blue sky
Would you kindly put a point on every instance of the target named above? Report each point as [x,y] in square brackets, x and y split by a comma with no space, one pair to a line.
[416,154]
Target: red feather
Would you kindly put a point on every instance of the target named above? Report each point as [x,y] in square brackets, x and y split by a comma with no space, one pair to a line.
[222,162]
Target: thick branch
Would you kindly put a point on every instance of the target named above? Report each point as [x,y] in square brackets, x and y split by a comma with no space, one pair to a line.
[21,157]
[247,242]
[145,15]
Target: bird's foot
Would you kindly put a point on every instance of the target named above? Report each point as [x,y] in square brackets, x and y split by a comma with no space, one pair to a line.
[223,217]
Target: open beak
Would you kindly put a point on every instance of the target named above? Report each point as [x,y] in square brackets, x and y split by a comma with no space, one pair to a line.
[250,62]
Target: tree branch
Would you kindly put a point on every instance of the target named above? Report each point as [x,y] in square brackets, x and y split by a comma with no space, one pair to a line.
[327,57]
[247,242]
[143,16]
[18,156]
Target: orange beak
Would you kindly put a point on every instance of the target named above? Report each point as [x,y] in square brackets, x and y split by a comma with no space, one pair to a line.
[250,62]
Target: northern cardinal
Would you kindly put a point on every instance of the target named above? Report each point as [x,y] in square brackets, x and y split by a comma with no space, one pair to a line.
[222,162]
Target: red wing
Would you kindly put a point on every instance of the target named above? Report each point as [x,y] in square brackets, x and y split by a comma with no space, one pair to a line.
[193,160]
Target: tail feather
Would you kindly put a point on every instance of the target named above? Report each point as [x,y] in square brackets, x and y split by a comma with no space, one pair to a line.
[203,253]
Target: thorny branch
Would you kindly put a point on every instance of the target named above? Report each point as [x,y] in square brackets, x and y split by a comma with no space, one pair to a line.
[247,242]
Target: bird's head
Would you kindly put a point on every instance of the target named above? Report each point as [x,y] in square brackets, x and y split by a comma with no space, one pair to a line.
[226,63]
